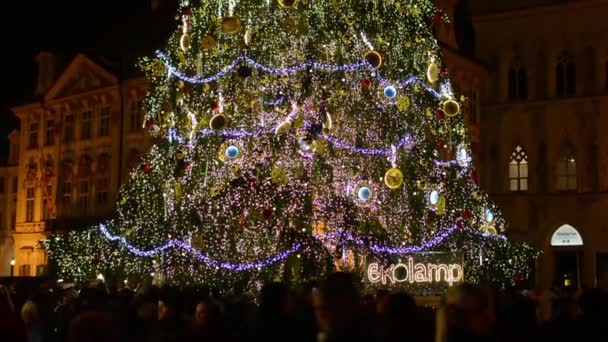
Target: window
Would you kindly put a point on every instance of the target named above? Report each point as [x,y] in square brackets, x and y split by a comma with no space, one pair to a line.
[30,201]
[85,125]
[15,184]
[83,196]
[68,129]
[104,122]
[136,118]
[24,270]
[565,76]
[518,81]
[40,270]
[46,202]
[518,170]
[67,192]
[566,171]
[1,185]
[102,190]
[33,141]
[49,136]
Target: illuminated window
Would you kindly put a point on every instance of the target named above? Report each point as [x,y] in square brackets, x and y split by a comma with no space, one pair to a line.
[104,122]
[566,171]
[518,170]
[33,141]
[49,135]
[30,202]
[85,125]
[518,81]
[565,76]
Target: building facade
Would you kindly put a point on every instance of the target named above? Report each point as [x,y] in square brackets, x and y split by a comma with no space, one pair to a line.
[543,156]
[8,205]
[77,143]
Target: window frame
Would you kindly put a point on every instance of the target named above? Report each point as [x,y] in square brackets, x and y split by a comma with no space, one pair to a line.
[30,204]
[33,135]
[519,170]
[86,131]
[49,133]
[104,121]
[68,128]
[567,173]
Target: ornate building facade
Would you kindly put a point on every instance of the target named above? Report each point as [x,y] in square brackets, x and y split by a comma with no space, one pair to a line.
[543,156]
[77,143]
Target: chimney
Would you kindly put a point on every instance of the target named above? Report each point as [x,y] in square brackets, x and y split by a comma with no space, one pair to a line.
[46,72]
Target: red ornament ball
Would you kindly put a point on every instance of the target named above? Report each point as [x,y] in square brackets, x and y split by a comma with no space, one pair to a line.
[518,277]
[439,114]
[473,176]
[466,214]
[186,166]
[266,213]
[146,168]
[149,124]
[215,107]
[366,84]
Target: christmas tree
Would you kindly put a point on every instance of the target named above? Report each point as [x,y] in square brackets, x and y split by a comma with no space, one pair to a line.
[297,137]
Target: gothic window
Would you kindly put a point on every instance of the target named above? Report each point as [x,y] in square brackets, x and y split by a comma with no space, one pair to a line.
[518,170]
[518,81]
[565,76]
[566,170]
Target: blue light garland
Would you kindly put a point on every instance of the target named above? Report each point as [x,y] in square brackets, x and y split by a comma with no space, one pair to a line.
[238,267]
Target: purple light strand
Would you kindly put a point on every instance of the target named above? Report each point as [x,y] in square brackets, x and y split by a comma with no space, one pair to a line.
[285,254]
[293,69]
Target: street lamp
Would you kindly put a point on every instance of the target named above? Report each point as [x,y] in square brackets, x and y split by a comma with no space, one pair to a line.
[12,267]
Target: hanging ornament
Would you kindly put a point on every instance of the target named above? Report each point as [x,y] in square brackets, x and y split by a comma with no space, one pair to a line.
[216,107]
[364,193]
[146,168]
[306,144]
[185,42]
[441,205]
[232,152]
[466,214]
[366,84]
[488,229]
[432,72]
[393,178]
[230,25]
[390,92]
[287,3]
[283,128]
[439,114]
[209,43]
[477,196]
[451,108]
[374,58]
[218,121]
[404,103]
[489,216]
[181,153]
[421,185]
[434,198]
[328,123]
[350,20]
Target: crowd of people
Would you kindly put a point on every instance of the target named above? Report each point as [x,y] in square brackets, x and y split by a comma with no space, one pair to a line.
[335,309]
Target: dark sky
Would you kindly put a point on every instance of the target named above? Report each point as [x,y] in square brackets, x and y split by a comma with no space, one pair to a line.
[109,28]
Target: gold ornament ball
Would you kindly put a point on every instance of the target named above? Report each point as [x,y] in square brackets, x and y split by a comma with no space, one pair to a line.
[393,178]
[230,25]
[404,103]
[180,84]
[283,128]
[208,42]
[421,185]
[374,58]
[287,3]
[218,121]
[432,73]
[451,108]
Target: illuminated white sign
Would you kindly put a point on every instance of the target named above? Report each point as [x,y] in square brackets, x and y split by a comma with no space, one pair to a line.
[414,272]
[566,235]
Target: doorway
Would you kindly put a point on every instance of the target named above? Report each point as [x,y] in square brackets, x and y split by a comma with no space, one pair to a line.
[568,266]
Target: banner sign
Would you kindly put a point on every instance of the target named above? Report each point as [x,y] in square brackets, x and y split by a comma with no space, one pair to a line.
[420,273]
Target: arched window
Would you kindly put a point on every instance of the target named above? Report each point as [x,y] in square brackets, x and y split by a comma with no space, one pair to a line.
[566,170]
[565,75]
[518,170]
[518,81]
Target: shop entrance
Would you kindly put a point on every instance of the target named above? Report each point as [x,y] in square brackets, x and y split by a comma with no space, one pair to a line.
[567,243]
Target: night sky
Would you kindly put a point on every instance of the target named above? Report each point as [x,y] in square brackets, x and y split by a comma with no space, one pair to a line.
[110,29]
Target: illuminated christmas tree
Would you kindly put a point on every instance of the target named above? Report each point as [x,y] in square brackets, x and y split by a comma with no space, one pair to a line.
[297,137]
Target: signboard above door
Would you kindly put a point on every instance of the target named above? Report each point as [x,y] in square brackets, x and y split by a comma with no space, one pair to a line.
[566,235]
